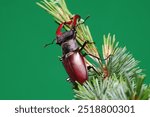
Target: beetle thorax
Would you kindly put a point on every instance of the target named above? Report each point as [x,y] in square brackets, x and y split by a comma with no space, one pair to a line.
[68,41]
[69,46]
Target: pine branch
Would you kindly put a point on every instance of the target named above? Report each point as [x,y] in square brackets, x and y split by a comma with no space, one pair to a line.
[125,80]
[120,62]
[113,88]
[118,77]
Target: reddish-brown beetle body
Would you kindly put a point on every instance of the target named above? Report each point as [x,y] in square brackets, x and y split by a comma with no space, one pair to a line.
[75,67]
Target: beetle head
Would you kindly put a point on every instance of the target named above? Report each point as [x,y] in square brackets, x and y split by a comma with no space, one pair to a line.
[66,36]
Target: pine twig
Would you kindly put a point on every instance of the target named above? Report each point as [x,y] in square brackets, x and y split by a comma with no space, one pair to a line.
[120,77]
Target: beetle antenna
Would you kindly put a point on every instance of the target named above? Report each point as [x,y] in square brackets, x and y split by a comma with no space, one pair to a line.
[46,45]
[83,21]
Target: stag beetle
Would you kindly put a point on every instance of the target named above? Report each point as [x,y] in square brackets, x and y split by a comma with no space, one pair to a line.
[72,58]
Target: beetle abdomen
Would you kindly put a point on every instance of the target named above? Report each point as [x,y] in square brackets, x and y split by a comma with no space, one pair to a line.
[75,67]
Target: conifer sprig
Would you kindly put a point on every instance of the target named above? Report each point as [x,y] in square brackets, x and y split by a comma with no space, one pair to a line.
[125,81]
[119,76]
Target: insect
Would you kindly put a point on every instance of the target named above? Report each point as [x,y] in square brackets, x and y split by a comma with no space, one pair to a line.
[72,59]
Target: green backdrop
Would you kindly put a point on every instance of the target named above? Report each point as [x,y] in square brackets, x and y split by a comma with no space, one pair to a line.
[29,71]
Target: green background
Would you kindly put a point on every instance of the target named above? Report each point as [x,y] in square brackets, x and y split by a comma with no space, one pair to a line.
[29,71]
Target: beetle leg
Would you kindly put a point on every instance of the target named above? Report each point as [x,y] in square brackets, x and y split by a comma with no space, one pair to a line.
[97,57]
[46,45]
[91,67]
[108,57]
[91,55]
[84,44]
